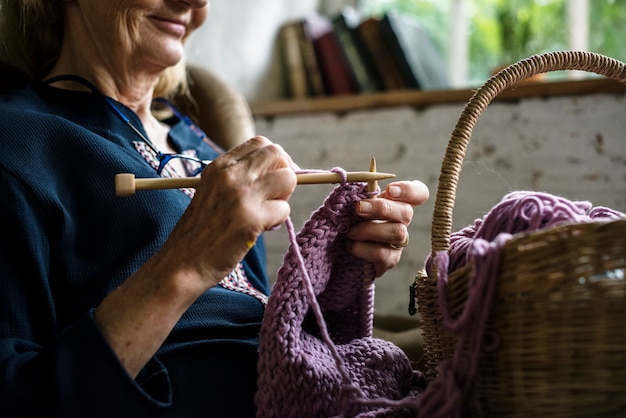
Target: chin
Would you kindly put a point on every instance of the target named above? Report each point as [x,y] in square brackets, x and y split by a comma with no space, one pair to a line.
[169,56]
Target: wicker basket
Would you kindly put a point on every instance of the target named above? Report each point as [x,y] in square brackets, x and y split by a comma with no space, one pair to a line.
[561,330]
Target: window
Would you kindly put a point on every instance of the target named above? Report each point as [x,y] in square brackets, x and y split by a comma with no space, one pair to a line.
[478,36]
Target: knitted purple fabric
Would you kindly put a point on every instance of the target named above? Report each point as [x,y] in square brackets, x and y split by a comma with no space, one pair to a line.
[317,357]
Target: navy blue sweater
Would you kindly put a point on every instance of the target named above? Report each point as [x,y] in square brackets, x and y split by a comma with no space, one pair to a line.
[67,241]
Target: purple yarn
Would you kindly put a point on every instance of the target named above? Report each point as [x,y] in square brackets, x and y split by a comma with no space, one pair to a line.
[522,211]
[481,244]
[317,357]
[316,354]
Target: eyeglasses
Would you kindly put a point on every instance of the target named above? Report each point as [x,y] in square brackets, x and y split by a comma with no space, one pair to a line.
[166,158]
[161,157]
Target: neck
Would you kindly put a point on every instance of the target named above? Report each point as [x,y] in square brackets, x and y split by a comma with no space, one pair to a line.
[155,129]
[136,96]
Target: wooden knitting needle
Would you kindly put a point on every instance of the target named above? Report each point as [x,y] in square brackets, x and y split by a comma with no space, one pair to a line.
[372,185]
[126,184]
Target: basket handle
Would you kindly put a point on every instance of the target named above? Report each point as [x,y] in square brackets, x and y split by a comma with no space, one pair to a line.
[509,76]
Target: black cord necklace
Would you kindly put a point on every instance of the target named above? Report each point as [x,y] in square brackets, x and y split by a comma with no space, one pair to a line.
[110,104]
[163,158]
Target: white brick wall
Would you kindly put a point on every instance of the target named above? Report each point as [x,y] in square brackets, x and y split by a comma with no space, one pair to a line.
[572,146]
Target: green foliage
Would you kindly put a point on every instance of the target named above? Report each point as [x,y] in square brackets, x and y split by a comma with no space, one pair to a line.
[505,31]
[607,32]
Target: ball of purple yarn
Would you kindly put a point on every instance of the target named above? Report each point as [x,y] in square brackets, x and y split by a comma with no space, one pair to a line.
[522,211]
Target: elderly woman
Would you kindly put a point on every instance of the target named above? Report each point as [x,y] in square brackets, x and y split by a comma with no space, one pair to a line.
[148,306]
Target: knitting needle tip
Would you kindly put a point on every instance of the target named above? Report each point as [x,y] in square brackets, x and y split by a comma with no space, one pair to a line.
[372,186]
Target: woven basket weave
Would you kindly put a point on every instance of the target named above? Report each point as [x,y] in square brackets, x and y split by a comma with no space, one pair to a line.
[562,331]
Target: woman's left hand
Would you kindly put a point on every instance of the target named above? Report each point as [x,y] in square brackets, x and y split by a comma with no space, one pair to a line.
[382,237]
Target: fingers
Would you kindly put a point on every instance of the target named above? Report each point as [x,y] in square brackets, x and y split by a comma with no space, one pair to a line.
[395,203]
[276,212]
[245,148]
[385,209]
[241,194]
[250,150]
[379,242]
[257,164]
[278,184]
[413,192]
[383,235]
[382,257]
[389,214]
[388,234]
[263,155]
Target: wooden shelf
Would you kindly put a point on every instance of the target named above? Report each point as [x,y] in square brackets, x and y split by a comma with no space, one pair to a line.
[417,98]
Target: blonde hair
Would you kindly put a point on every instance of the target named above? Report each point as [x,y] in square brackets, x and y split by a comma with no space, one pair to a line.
[31,32]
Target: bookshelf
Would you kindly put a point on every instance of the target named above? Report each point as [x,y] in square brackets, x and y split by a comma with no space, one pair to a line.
[417,98]
[404,69]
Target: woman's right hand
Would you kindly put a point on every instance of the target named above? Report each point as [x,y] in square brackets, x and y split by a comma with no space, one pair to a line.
[242,193]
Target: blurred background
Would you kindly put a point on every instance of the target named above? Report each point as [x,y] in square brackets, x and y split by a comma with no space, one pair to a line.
[240,40]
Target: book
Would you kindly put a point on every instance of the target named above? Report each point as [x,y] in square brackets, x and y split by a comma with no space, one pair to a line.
[315,83]
[293,60]
[365,76]
[379,55]
[331,60]
[419,60]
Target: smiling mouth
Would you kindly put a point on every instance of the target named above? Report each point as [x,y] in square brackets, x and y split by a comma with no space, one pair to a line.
[173,27]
